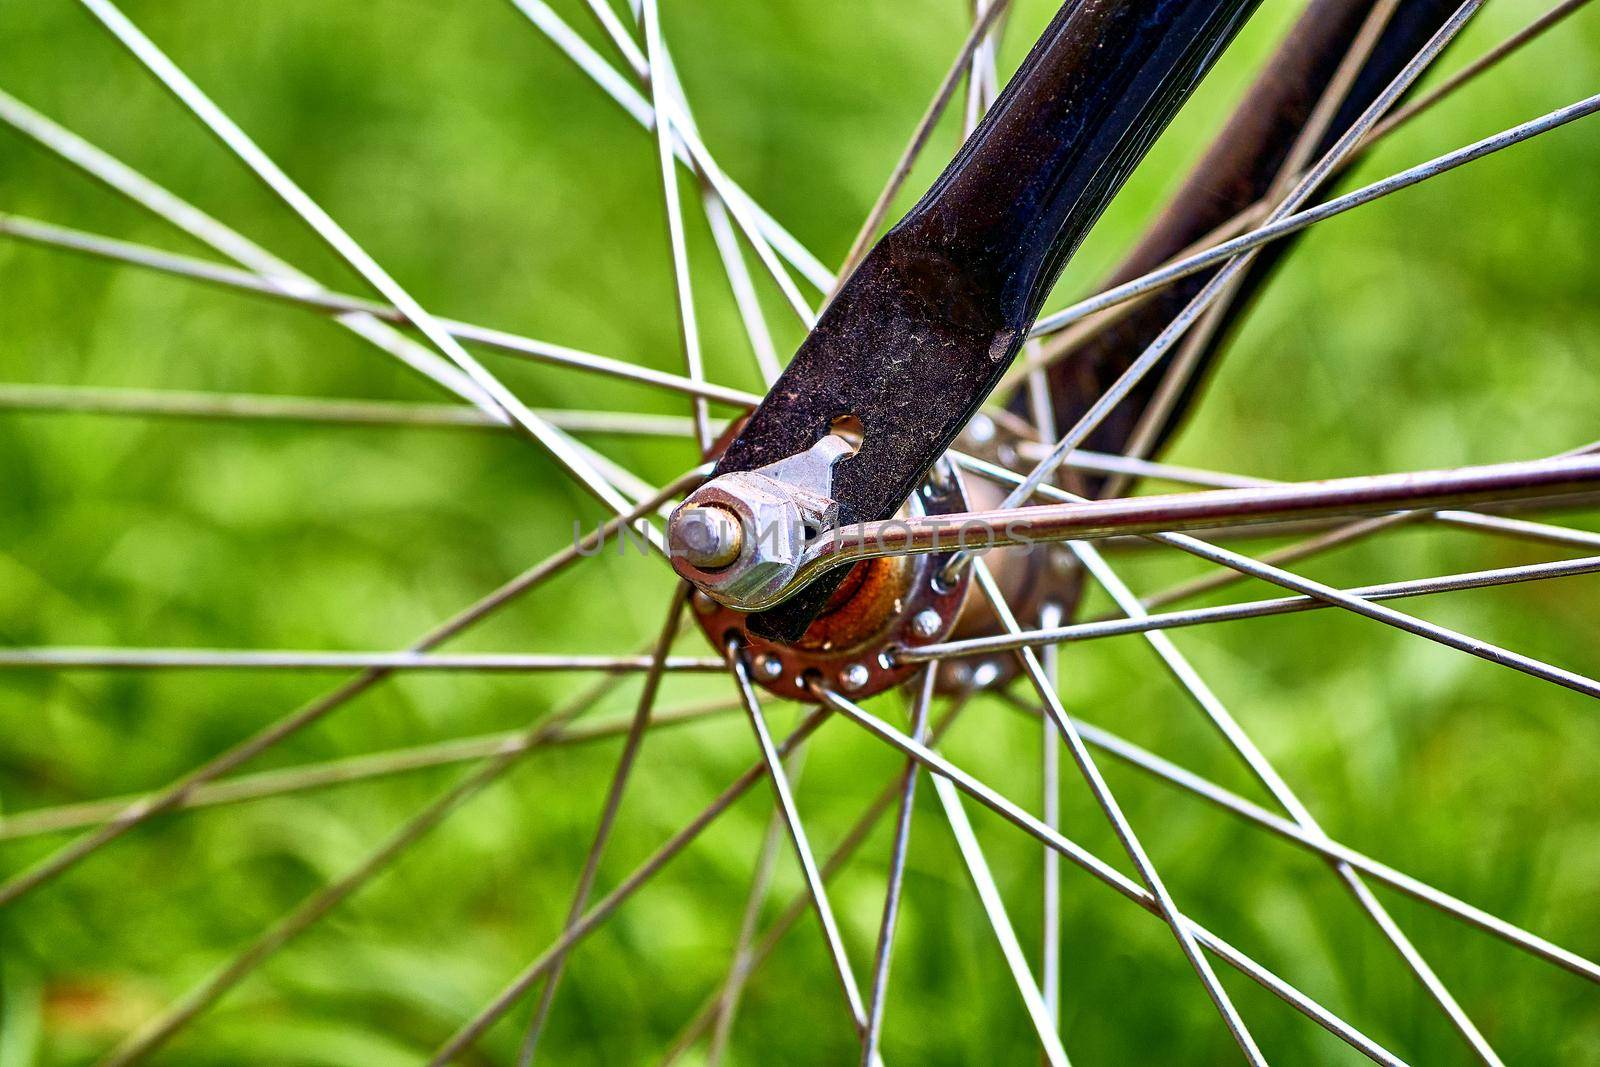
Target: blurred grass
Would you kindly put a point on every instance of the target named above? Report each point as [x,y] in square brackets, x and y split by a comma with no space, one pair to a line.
[1453,323]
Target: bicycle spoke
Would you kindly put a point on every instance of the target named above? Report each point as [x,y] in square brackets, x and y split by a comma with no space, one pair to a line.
[1130,889]
[719,189]
[688,151]
[688,328]
[608,811]
[983,77]
[1296,221]
[68,658]
[262,407]
[607,905]
[1050,809]
[1433,632]
[1064,344]
[744,953]
[62,237]
[166,1025]
[919,139]
[1532,31]
[744,292]
[797,836]
[1171,773]
[1234,734]
[1124,831]
[162,202]
[179,791]
[1340,535]
[624,43]
[800,905]
[1475,520]
[1174,383]
[1223,278]
[994,907]
[320,222]
[717,207]
[237,789]
[1049,636]
[894,884]
[1339,598]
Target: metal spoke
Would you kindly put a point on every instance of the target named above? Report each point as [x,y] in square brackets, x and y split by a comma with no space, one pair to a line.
[718,189]
[237,789]
[1294,222]
[1120,826]
[919,139]
[602,909]
[1198,785]
[50,235]
[1234,734]
[62,237]
[763,232]
[69,658]
[1432,631]
[739,207]
[1174,384]
[320,222]
[800,904]
[179,791]
[141,190]
[181,1012]
[263,407]
[1128,466]
[1277,576]
[744,292]
[744,954]
[688,327]
[626,46]
[1130,889]
[1251,216]
[608,811]
[1049,636]
[1340,535]
[894,883]
[1410,110]
[1223,278]
[994,908]
[797,836]
[1050,786]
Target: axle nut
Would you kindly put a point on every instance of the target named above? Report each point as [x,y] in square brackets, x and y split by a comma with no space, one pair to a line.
[707,536]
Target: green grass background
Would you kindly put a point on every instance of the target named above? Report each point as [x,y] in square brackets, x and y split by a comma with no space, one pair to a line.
[1454,323]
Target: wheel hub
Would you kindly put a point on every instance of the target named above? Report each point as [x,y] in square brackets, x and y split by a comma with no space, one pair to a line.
[882,604]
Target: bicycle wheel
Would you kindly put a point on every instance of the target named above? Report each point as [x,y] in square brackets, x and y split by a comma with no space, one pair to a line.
[216,497]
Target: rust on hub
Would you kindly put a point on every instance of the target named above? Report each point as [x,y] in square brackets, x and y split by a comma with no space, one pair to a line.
[881,604]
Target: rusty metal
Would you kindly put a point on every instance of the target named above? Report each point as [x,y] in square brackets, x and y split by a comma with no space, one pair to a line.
[883,603]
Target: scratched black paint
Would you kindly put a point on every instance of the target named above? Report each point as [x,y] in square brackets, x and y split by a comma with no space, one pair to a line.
[923,329]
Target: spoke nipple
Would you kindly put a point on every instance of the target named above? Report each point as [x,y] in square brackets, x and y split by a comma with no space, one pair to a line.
[706,536]
[926,623]
[769,667]
[854,677]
